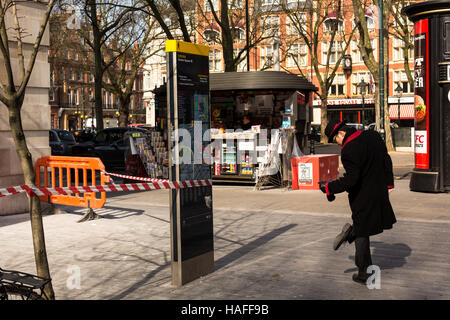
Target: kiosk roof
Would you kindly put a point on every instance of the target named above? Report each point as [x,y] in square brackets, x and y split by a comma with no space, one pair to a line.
[258,80]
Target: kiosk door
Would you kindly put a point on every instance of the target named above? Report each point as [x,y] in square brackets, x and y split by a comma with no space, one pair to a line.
[446,133]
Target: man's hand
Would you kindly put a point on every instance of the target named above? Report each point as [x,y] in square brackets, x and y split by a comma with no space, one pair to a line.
[322,186]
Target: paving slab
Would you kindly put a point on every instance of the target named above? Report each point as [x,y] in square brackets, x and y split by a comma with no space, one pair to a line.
[261,251]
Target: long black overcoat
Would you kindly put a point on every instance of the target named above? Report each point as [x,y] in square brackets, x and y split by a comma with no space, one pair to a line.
[368,176]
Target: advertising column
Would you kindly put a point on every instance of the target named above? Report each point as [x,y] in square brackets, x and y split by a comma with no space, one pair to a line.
[421,98]
[192,246]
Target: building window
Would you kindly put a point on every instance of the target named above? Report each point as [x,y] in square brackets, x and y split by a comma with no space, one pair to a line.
[334,51]
[79,76]
[398,48]
[370,24]
[297,56]
[331,23]
[266,57]
[110,100]
[292,27]
[211,35]
[215,5]
[235,4]
[242,65]
[356,53]
[338,86]
[215,60]
[75,96]
[51,95]
[400,77]
[239,34]
[69,97]
[271,26]
[270,2]
[357,78]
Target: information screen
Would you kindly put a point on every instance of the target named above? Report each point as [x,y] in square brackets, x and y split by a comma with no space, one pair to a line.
[191,127]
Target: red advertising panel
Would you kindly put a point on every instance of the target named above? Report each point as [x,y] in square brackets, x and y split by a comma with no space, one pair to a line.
[421,95]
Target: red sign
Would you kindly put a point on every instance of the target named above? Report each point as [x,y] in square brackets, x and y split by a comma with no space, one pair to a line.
[421,95]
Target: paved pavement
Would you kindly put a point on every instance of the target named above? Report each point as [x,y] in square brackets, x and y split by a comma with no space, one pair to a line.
[269,244]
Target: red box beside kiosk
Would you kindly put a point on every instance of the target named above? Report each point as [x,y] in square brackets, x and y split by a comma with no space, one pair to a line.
[307,171]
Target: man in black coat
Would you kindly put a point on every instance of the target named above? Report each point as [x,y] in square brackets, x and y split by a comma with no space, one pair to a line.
[368,179]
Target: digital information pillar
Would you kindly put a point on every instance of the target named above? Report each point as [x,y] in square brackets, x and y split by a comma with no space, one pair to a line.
[431,95]
[191,213]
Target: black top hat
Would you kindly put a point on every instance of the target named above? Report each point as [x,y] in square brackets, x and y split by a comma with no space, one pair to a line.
[332,129]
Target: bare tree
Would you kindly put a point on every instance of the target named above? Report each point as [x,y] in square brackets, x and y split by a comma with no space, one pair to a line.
[230,18]
[360,9]
[314,24]
[12,94]
[401,28]
[159,10]
[105,18]
[126,57]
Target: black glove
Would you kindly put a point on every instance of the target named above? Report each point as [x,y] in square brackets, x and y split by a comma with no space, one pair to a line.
[330,197]
[322,186]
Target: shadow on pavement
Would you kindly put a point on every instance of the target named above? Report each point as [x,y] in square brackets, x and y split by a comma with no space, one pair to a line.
[386,255]
[258,242]
[109,212]
[13,219]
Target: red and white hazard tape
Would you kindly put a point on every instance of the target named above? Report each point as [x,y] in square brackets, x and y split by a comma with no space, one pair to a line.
[41,191]
[134,178]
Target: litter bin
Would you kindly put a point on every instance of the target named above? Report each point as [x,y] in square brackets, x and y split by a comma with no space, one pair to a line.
[307,171]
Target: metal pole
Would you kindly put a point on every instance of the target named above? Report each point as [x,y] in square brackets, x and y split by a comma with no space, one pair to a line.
[363,110]
[247,33]
[381,68]
[398,111]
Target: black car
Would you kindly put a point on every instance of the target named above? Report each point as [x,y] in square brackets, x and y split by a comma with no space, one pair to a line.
[61,142]
[108,145]
[84,135]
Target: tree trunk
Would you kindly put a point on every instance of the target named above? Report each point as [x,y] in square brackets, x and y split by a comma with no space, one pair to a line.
[323,120]
[26,162]
[124,111]
[227,39]
[98,67]
[387,120]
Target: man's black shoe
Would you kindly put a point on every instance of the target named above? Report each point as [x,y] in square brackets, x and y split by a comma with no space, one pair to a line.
[360,278]
[341,237]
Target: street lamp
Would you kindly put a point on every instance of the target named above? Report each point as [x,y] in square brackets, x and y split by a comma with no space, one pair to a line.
[362,90]
[399,91]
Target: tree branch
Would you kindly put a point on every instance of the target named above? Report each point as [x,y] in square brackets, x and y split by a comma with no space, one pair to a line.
[35,50]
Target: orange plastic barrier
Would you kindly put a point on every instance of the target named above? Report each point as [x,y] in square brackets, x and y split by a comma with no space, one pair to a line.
[69,169]
[307,171]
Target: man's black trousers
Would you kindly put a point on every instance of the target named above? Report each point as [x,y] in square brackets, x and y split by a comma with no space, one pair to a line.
[363,258]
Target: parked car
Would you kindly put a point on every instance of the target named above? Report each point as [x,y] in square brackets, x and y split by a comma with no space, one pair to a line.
[61,142]
[108,145]
[357,126]
[84,135]
[373,126]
